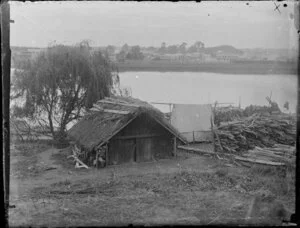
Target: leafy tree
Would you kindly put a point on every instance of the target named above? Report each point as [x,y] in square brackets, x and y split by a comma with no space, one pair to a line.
[182,48]
[199,45]
[135,53]
[121,56]
[196,47]
[153,49]
[163,48]
[286,105]
[125,48]
[192,49]
[61,82]
[172,49]
[110,49]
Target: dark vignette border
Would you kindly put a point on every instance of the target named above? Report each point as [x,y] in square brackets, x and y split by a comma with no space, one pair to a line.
[5,85]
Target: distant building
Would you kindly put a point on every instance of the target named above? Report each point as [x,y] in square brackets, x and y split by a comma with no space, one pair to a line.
[209,58]
[227,57]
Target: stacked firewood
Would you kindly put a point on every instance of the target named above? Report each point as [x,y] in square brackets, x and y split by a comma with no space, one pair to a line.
[256,131]
[279,154]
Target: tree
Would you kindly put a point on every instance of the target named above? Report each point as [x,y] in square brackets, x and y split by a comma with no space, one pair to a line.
[125,48]
[172,49]
[151,48]
[135,53]
[121,56]
[182,48]
[286,105]
[163,48]
[61,82]
[199,45]
[196,47]
[110,49]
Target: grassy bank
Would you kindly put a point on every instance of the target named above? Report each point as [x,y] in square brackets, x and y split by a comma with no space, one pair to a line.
[187,190]
[224,68]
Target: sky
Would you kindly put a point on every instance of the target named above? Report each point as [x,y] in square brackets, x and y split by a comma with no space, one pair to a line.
[256,25]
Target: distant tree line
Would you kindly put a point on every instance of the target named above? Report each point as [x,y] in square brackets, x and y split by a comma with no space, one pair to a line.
[136,52]
[182,48]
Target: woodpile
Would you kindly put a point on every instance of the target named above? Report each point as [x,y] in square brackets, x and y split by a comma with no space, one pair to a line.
[257,130]
[278,153]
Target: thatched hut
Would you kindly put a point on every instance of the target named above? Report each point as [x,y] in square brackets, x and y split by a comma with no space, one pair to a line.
[120,130]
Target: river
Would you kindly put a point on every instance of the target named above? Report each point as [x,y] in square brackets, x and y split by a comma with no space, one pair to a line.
[201,88]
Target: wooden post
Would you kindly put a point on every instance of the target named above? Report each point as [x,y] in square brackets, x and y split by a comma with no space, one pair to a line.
[193,137]
[106,155]
[175,147]
[6,55]
[213,134]
[97,159]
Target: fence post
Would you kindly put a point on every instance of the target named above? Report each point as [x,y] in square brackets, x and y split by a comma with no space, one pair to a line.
[175,147]
[213,134]
[193,137]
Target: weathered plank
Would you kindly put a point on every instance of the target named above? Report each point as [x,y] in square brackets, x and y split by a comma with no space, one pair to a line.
[175,146]
[200,150]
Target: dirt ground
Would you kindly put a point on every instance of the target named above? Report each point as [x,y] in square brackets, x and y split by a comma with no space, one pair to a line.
[47,190]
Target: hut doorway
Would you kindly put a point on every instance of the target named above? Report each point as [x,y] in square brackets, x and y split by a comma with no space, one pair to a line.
[130,150]
[121,151]
[144,150]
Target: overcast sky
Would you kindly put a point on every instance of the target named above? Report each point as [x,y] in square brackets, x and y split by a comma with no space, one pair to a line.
[256,25]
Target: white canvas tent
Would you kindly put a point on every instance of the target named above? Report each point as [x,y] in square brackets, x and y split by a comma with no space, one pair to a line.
[193,121]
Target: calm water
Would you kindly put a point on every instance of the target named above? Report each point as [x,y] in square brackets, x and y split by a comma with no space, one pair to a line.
[201,88]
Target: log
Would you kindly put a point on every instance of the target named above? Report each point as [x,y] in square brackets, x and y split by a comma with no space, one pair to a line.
[284,146]
[175,147]
[81,164]
[272,158]
[219,141]
[200,150]
[257,161]
[265,153]
[98,107]
[268,150]
[78,162]
[94,109]
[282,150]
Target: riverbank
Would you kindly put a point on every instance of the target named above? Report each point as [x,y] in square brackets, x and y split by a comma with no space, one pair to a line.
[224,68]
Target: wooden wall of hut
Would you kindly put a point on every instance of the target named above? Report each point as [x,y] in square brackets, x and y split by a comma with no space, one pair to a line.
[142,140]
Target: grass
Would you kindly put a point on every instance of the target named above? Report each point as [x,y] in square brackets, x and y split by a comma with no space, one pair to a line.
[27,162]
[30,148]
[62,159]
[221,195]
[186,192]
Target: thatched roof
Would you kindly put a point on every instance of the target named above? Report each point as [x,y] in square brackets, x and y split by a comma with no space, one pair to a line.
[109,116]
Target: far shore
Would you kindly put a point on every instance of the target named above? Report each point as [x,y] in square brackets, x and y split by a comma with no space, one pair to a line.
[270,67]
